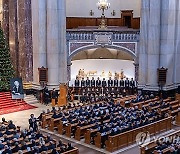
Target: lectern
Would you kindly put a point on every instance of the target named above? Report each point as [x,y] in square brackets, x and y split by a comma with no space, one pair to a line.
[62,99]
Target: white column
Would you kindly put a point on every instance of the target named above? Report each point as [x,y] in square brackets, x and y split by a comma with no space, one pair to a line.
[142,79]
[168,36]
[52,43]
[62,41]
[39,31]
[177,46]
[153,44]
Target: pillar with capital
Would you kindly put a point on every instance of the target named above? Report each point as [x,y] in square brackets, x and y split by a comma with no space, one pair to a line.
[62,42]
[149,44]
[53,56]
[39,30]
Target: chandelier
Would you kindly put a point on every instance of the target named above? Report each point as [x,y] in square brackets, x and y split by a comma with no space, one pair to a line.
[103,5]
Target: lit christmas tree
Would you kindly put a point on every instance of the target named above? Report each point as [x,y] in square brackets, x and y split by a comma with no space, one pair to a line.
[6,67]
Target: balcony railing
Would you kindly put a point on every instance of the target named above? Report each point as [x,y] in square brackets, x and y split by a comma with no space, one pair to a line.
[121,34]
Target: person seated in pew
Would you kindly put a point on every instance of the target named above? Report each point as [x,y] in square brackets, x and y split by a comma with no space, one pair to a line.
[48,139]
[7,131]
[11,125]
[51,145]
[41,115]
[43,147]
[16,148]
[60,143]
[7,150]
[55,116]
[64,120]
[69,147]
[23,145]
[35,149]
[16,135]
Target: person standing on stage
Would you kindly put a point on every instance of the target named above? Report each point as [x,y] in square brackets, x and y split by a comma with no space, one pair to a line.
[127,85]
[82,83]
[132,85]
[76,82]
[87,82]
[98,82]
[121,84]
[104,84]
[116,82]
[93,82]
[110,82]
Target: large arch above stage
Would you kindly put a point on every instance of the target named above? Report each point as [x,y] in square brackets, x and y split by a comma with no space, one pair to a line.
[130,48]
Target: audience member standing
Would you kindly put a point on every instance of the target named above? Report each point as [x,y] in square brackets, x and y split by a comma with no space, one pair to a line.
[33,123]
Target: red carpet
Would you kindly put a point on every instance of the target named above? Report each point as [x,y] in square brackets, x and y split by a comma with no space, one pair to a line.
[7,105]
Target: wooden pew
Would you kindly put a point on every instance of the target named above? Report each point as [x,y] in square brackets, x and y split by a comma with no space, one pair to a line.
[80,131]
[66,128]
[124,139]
[124,99]
[73,151]
[140,104]
[175,107]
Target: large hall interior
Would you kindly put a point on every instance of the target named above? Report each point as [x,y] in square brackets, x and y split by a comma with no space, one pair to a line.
[89,76]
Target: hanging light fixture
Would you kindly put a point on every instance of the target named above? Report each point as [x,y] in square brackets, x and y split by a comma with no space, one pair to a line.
[103,5]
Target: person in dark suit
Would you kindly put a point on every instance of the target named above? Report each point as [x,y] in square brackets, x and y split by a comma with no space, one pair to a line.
[121,84]
[46,95]
[98,82]
[7,150]
[11,125]
[54,94]
[92,82]
[110,82]
[33,123]
[76,82]
[116,82]
[82,83]
[16,148]
[132,85]
[126,83]
[104,84]
[88,82]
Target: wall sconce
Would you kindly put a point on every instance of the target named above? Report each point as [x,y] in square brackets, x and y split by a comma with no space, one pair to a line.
[91,13]
[113,13]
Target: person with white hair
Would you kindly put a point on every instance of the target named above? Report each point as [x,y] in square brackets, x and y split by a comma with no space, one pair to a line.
[7,150]
[16,88]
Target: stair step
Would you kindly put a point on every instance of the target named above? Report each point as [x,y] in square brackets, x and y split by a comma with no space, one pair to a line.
[31,99]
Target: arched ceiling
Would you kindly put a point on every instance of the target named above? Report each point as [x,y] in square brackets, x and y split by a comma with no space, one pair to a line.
[102,53]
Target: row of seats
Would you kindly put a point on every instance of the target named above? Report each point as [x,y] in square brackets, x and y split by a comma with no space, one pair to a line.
[14,140]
